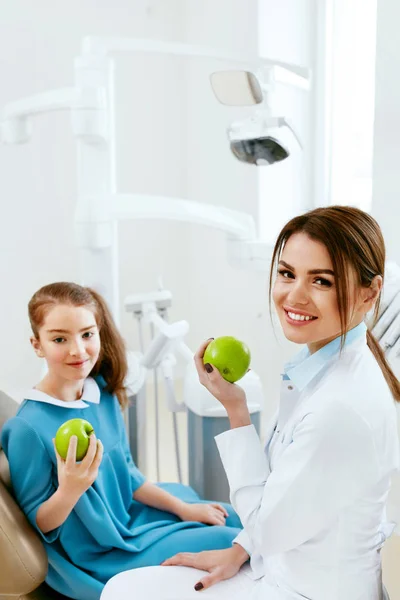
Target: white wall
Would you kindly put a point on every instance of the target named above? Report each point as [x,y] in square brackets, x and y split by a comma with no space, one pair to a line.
[287,32]
[38,43]
[386,172]
[38,185]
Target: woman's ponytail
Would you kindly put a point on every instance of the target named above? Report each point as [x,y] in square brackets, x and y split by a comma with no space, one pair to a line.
[379,355]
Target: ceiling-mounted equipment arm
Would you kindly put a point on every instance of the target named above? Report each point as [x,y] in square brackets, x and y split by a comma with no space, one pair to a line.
[107,45]
[15,117]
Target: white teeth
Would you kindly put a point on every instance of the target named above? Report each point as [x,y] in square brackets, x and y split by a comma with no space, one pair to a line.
[297,317]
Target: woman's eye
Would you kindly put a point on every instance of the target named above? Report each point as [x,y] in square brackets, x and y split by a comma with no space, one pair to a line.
[87,334]
[285,274]
[59,340]
[323,281]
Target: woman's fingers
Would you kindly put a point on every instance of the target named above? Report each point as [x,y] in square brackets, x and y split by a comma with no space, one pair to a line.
[214,376]
[202,348]
[209,580]
[198,358]
[184,559]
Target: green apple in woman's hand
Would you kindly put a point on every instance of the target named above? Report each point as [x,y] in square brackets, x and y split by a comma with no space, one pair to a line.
[230,356]
[79,427]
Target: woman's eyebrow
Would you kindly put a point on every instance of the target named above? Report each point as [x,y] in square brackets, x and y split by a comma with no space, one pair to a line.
[311,272]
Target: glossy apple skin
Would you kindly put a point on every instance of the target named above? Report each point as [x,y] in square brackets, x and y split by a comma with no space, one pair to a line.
[79,427]
[230,356]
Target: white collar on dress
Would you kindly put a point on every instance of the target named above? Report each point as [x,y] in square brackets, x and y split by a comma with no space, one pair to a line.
[91,393]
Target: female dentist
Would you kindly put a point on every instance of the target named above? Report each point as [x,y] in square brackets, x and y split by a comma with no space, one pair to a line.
[312,502]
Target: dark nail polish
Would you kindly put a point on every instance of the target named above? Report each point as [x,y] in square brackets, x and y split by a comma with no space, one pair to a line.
[208,368]
[199,586]
[209,339]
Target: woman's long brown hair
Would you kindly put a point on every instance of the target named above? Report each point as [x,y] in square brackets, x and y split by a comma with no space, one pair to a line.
[353,239]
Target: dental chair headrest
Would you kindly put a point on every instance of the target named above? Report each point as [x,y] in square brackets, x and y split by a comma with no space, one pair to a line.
[8,408]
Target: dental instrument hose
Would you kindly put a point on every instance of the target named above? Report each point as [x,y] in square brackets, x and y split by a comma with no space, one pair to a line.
[169,385]
[156,405]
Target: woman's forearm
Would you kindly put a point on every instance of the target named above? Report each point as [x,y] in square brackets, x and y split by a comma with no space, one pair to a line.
[54,512]
[240,555]
[154,496]
[239,416]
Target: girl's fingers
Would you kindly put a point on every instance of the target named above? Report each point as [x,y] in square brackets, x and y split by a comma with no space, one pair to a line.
[99,455]
[217,518]
[222,509]
[221,518]
[71,453]
[91,452]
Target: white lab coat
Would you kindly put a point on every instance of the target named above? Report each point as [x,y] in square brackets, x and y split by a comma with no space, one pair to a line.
[312,502]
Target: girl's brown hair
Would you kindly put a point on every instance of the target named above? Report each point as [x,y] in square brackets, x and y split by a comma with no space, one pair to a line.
[353,238]
[112,362]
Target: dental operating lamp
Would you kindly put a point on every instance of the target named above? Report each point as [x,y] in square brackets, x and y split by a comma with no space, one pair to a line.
[253,140]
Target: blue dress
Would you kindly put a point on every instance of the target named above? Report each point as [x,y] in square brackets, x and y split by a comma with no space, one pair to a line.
[107,531]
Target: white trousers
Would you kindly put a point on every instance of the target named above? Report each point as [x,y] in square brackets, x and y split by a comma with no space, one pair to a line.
[175,583]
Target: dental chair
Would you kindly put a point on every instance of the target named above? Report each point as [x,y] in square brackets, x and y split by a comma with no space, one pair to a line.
[23,559]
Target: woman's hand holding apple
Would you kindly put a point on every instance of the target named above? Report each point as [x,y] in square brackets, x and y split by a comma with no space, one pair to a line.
[74,478]
[230,395]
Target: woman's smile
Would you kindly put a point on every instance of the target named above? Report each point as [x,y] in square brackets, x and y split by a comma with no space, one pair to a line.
[298,319]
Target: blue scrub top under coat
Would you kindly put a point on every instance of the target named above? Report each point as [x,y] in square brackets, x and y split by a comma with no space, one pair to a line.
[107,531]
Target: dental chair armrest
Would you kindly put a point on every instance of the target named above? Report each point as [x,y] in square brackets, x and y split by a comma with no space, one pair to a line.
[23,558]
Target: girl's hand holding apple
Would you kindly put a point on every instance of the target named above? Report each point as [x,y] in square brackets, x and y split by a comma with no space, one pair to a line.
[75,478]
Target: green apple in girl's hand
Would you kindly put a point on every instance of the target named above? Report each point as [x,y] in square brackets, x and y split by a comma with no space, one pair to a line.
[230,356]
[79,427]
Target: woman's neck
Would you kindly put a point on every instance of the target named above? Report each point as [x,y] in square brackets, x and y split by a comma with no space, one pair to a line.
[62,389]
[315,346]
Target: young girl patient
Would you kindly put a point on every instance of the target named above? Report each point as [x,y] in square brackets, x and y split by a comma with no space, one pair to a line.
[97,517]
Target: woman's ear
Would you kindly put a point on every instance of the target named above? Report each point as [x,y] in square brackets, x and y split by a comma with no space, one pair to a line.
[371,294]
[37,347]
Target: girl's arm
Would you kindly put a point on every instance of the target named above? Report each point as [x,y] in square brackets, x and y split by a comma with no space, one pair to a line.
[52,513]
[151,495]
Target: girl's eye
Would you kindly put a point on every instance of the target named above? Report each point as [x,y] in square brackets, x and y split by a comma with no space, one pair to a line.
[88,334]
[59,340]
[286,274]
